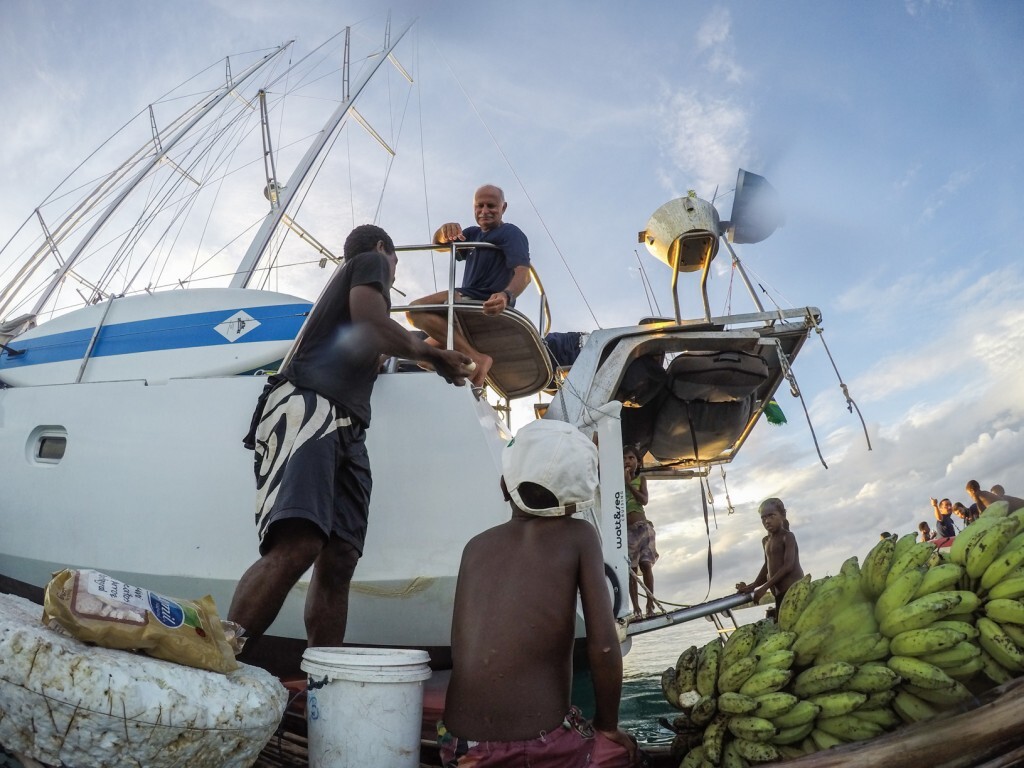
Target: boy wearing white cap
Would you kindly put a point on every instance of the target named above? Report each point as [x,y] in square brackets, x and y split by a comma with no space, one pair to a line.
[514,623]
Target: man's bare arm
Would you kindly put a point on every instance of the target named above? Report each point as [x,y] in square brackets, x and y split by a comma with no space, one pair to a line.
[603,651]
[498,302]
[762,576]
[368,308]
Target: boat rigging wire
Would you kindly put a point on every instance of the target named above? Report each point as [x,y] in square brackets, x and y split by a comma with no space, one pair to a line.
[643,282]
[850,404]
[795,390]
[728,502]
[522,186]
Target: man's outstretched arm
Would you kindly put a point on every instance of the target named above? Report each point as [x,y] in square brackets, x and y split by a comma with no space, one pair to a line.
[369,309]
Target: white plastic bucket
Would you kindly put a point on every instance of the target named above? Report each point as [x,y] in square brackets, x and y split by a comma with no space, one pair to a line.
[364,706]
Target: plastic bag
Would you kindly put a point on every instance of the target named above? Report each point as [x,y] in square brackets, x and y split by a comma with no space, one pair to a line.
[97,608]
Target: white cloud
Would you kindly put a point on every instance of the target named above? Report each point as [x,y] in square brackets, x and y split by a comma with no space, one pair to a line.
[703,137]
[714,39]
[941,196]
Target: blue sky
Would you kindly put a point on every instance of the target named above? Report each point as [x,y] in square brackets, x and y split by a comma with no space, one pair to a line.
[891,130]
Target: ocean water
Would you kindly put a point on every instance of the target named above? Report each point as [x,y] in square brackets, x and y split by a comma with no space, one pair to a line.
[642,701]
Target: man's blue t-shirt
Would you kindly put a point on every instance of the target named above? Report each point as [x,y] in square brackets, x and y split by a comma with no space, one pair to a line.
[489,270]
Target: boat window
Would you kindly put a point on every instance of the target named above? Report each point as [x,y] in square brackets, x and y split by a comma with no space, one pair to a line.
[48,445]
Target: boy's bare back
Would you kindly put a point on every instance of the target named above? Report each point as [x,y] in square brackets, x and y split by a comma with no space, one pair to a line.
[514,625]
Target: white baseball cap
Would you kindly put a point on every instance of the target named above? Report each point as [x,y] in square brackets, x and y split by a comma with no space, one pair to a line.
[556,456]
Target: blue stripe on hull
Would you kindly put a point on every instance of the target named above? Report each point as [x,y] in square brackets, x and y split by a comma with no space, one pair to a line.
[278,322]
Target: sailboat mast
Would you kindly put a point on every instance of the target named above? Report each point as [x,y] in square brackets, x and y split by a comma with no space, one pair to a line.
[158,157]
[274,217]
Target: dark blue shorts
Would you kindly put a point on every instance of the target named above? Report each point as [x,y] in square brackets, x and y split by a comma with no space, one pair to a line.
[311,463]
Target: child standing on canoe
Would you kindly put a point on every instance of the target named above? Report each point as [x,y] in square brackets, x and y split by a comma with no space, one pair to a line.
[781,567]
[643,553]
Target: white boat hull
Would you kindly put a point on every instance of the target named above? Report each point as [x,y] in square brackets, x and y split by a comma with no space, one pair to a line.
[156,488]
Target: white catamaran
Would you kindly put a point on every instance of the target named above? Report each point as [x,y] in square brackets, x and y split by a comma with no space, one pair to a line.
[124,392]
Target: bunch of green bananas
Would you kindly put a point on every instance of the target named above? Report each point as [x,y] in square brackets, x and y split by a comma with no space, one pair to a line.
[911,633]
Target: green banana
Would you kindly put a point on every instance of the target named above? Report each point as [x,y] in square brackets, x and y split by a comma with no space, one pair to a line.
[824,740]
[987,547]
[993,670]
[803,712]
[1006,562]
[855,649]
[1016,633]
[838,703]
[912,708]
[849,728]
[740,643]
[942,698]
[792,751]
[822,678]
[704,710]
[850,568]
[996,509]
[876,567]
[855,618]
[913,557]
[792,735]
[686,668]
[694,758]
[939,578]
[956,656]
[752,728]
[963,540]
[766,681]
[969,603]
[999,646]
[967,670]
[1010,588]
[1005,611]
[771,705]
[884,717]
[779,659]
[806,645]
[707,667]
[714,738]
[669,688]
[917,642]
[731,757]
[830,594]
[730,678]
[903,543]
[872,679]
[756,751]
[920,673]
[920,612]
[879,699]
[899,591]
[960,625]
[779,641]
[733,703]
[794,601]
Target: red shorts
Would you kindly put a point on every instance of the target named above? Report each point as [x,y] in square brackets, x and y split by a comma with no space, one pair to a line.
[576,743]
